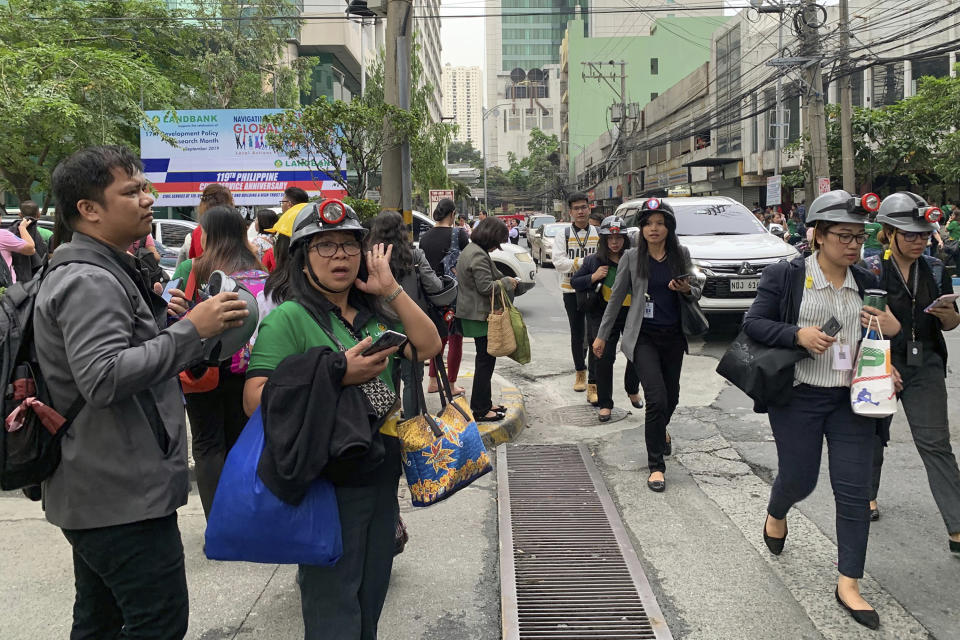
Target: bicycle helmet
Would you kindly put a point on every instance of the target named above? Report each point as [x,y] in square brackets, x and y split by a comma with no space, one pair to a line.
[908,212]
[223,346]
[839,206]
[611,225]
[284,225]
[329,215]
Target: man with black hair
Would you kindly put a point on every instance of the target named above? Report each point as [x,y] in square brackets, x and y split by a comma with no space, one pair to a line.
[111,363]
[577,242]
[292,196]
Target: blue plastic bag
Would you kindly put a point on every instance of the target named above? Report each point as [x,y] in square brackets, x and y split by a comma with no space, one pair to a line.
[248,523]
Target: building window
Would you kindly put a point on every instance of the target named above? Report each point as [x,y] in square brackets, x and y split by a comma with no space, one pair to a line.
[887,84]
[653,95]
[728,88]
[654,66]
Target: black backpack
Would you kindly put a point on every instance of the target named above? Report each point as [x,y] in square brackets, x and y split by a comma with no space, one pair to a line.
[30,447]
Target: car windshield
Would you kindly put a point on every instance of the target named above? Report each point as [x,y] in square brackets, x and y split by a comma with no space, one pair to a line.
[542,220]
[552,230]
[715,219]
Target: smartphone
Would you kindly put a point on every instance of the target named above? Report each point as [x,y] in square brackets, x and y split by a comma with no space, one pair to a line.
[944,301]
[682,276]
[831,327]
[386,340]
[168,290]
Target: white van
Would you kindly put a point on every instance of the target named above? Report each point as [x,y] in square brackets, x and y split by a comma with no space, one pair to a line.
[728,245]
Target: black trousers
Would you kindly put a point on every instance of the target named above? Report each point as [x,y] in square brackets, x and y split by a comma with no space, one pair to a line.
[130,581]
[481,400]
[924,401]
[216,420]
[604,367]
[345,601]
[799,429]
[658,360]
[577,320]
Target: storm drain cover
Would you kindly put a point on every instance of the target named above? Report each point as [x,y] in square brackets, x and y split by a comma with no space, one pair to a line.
[567,568]
[583,415]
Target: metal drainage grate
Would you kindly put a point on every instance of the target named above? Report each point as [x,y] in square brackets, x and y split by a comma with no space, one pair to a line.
[567,569]
[583,415]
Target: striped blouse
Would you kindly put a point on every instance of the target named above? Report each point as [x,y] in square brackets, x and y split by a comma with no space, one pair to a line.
[821,300]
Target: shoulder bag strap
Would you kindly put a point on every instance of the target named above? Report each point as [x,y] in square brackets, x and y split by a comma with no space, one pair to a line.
[319,319]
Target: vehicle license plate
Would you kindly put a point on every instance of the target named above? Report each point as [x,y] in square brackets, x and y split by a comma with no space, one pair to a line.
[745,284]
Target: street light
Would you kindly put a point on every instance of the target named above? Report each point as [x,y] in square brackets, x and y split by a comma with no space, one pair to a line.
[483,134]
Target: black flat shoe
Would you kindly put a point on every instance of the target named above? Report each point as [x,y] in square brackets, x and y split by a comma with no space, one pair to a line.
[874,514]
[867,617]
[668,448]
[657,486]
[638,404]
[604,417]
[774,544]
[954,546]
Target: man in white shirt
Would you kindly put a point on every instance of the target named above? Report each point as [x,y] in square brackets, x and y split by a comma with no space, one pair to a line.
[569,249]
[480,216]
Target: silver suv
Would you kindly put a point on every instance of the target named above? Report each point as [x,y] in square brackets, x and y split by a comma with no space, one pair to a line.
[728,245]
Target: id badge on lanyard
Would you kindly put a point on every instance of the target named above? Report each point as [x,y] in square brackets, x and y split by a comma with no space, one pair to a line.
[647,307]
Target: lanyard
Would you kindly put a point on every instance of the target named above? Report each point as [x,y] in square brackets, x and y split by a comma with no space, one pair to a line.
[583,245]
[912,294]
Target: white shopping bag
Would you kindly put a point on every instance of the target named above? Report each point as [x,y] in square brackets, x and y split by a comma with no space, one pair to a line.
[871,392]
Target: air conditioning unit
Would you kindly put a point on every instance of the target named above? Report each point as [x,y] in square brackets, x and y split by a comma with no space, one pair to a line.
[379,7]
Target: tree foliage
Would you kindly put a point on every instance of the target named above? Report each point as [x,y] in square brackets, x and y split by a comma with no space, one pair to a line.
[529,181]
[464,153]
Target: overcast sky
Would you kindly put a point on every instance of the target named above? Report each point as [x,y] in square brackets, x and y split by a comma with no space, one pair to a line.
[462,38]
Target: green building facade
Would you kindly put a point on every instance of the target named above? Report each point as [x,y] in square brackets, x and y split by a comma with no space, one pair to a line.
[674,49]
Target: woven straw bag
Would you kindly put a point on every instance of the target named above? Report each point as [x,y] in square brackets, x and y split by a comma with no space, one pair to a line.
[501,340]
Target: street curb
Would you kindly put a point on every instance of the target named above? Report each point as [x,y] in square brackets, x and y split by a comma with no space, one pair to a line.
[496,433]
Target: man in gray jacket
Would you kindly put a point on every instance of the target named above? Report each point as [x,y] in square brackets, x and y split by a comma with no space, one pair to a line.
[123,472]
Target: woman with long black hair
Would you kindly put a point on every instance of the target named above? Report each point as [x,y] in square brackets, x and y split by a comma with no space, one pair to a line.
[334,309]
[414,273]
[913,282]
[655,274]
[595,278]
[796,302]
[216,415]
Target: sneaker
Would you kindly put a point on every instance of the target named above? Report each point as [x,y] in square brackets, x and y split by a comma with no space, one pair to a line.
[580,384]
[592,396]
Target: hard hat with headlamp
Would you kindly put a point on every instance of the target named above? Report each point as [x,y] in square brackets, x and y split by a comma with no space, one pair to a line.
[651,206]
[841,207]
[284,224]
[908,212]
[611,226]
[329,215]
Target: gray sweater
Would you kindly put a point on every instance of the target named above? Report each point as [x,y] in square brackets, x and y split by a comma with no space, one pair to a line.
[116,467]
[477,278]
[628,282]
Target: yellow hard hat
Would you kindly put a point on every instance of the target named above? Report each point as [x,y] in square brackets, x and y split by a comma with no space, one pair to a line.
[284,225]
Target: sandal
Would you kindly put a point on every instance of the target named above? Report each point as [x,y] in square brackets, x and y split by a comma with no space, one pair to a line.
[496,417]
[459,391]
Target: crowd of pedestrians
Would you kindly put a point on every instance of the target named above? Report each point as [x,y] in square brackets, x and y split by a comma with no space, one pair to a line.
[127,364]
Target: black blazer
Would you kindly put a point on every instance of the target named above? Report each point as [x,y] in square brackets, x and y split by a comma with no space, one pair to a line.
[773,316]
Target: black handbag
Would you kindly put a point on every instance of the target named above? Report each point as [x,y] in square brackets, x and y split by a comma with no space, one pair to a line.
[762,372]
[692,318]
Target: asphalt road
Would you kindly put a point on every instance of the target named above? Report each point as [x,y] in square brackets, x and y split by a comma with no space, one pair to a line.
[700,541]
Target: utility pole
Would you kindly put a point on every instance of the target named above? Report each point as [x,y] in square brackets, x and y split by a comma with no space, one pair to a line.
[846,98]
[816,119]
[778,142]
[396,190]
[596,73]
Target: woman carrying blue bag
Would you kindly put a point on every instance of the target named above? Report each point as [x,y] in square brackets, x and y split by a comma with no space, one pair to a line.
[334,313]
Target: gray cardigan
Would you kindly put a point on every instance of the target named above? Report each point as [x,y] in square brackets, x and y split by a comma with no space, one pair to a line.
[477,278]
[628,282]
[117,467]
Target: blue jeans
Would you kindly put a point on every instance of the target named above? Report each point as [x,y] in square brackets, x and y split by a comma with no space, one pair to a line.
[799,428]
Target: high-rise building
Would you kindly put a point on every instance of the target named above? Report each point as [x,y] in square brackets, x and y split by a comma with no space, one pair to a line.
[463,99]
[428,36]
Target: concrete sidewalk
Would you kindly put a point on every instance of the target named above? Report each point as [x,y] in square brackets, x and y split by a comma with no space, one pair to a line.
[444,585]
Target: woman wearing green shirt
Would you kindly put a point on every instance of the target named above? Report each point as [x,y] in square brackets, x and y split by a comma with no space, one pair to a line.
[328,284]
[597,275]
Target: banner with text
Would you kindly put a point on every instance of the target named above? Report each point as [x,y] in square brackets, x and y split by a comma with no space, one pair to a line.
[227,146]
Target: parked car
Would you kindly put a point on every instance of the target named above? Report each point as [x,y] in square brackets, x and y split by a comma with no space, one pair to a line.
[535,222]
[47,222]
[541,241]
[512,260]
[728,245]
[172,233]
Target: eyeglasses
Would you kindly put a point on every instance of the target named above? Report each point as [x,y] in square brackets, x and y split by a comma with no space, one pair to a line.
[913,236]
[329,249]
[285,201]
[847,238]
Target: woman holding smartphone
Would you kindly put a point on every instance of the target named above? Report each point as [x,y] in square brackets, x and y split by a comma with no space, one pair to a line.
[654,275]
[914,282]
[335,300]
[796,303]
